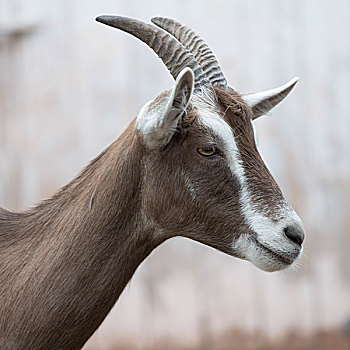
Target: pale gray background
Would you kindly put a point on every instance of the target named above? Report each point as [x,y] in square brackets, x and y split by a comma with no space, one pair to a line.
[68,88]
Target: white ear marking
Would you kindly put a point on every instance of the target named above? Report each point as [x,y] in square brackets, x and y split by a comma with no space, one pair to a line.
[158,119]
[179,98]
[262,102]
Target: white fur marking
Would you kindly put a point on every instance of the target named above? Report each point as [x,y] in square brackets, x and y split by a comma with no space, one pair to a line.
[256,138]
[269,234]
[191,187]
[158,119]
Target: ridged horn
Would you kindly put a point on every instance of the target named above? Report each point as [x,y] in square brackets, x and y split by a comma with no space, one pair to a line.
[197,46]
[174,55]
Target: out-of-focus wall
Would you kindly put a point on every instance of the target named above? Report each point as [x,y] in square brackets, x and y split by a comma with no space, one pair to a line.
[68,88]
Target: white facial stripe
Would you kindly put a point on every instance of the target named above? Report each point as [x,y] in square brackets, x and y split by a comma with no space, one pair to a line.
[210,119]
[219,127]
[269,234]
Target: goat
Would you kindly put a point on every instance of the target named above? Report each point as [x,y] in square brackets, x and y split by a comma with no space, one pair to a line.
[187,166]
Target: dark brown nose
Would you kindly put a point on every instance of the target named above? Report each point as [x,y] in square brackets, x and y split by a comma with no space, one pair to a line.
[295,234]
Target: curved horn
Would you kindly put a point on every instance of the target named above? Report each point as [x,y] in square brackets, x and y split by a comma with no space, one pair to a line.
[262,102]
[196,46]
[172,52]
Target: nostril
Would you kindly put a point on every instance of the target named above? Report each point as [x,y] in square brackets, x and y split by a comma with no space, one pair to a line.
[295,234]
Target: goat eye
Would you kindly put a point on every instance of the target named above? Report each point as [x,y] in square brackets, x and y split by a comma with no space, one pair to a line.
[207,151]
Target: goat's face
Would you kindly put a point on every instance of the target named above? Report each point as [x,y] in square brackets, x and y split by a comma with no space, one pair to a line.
[204,178]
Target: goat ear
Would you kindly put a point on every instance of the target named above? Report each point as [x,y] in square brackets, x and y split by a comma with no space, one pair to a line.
[158,119]
[263,102]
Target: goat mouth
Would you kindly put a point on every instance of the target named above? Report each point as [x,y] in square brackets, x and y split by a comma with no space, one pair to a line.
[281,258]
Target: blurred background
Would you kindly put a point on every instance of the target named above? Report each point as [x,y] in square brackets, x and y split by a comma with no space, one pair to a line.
[69,86]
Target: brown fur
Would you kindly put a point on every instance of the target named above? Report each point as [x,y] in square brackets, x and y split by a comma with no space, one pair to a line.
[65,262]
[262,186]
[58,258]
